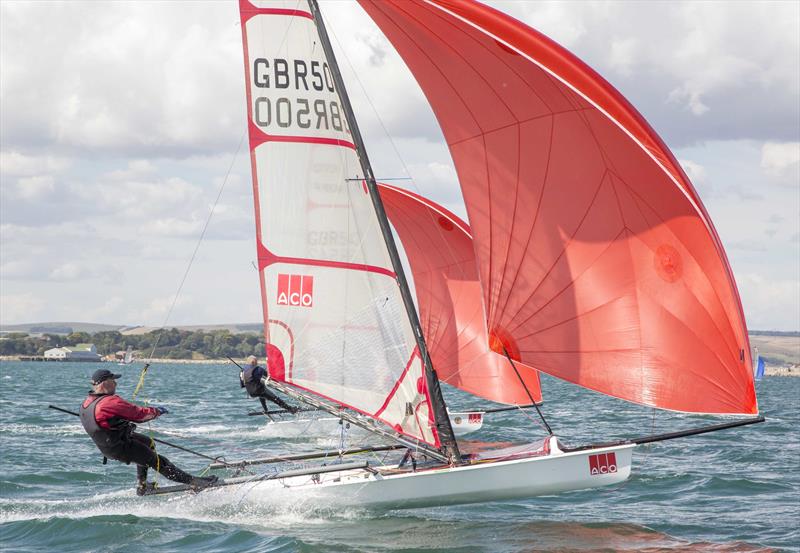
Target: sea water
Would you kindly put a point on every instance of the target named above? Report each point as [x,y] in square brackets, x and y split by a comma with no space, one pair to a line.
[734,490]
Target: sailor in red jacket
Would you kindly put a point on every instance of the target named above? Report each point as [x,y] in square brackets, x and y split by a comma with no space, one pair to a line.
[108,419]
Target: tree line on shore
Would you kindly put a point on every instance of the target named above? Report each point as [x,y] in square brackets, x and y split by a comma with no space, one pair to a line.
[169,343]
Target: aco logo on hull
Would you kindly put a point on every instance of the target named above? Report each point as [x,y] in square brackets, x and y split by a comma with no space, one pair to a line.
[603,463]
[296,290]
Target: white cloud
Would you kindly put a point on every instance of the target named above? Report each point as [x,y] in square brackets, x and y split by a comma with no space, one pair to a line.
[68,271]
[35,188]
[698,176]
[110,310]
[779,159]
[13,163]
[623,55]
[15,308]
[173,227]
[17,268]
[770,304]
[696,70]
[155,312]
[119,78]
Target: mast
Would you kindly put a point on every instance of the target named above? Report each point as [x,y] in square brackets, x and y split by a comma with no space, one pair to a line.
[443,426]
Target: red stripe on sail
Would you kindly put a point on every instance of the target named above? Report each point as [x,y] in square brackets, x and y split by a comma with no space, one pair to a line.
[399,381]
[420,437]
[267,258]
[243,6]
[248,10]
[259,137]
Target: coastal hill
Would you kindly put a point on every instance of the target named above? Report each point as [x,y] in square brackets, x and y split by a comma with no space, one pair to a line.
[125,330]
[779,349]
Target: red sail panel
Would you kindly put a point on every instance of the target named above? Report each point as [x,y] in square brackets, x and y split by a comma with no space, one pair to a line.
[439,249]
[597,260]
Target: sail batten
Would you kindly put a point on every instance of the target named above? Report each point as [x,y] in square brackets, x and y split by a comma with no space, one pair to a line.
[583,222]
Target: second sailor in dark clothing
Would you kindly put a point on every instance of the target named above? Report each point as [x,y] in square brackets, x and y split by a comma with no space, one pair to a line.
[250,378]
[109,419]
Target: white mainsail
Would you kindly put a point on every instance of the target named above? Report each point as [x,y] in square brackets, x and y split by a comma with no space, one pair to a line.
[334,317]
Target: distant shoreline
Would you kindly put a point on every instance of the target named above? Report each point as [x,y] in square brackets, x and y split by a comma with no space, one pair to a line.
[793,370]
[136,362]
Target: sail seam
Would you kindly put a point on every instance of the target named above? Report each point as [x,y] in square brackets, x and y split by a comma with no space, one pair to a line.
[397,383]
[640,200]
[567,287]
[700,211]
[555,262]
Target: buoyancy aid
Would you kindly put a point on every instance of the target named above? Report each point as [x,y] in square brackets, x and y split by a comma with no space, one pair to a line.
[251,380]
[110,441]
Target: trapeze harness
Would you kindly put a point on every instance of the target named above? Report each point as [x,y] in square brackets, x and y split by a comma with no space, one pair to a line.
[110,441]
[250,379]
[254,386]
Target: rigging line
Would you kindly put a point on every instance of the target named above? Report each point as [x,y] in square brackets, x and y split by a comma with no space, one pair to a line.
[383,126]
[202,236]
[191,260]
[527,391]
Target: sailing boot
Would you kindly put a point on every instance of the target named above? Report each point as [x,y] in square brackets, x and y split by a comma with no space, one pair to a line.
[199,483]
[143,487]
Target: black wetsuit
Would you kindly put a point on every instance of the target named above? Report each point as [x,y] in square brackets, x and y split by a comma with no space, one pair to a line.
[251,380]
[120,442]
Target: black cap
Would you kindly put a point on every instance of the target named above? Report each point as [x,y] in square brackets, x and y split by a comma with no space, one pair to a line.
[101,375]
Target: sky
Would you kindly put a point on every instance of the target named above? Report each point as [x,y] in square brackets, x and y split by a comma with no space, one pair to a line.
[121,123]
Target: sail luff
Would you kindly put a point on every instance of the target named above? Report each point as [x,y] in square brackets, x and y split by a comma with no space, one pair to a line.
[442,420]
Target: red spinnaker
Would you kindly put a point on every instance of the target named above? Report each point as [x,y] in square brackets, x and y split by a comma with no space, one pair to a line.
[439,249]
[598,262]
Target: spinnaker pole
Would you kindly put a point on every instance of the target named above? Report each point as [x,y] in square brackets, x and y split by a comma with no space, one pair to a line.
[443,427]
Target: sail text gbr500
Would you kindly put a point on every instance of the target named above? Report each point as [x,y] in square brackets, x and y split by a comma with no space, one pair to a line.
[338,317]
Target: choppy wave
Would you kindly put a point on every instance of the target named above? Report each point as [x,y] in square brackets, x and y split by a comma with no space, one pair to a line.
[734,491]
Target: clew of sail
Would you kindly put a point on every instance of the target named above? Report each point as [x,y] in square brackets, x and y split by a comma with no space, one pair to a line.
[439,249]
[334,320]
[597,261]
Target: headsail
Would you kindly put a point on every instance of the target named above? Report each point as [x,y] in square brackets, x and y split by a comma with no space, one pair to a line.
[597,260]
[333,316]
[439,249]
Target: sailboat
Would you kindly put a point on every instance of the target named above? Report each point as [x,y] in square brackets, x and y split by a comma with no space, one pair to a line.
[127,359]
[588,256]
[760,366]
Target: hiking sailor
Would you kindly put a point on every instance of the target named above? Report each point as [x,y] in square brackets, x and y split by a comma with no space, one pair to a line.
[250,378]
[109,419]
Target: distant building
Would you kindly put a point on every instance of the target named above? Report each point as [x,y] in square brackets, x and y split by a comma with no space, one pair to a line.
[55,354]
[80,352]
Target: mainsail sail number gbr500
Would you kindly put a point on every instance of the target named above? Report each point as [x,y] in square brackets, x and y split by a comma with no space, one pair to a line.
[588,255]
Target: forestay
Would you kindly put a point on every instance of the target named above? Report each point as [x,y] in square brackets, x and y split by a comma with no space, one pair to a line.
[334,320]
[598,263]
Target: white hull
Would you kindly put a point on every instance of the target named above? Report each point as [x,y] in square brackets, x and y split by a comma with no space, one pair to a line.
[485,481]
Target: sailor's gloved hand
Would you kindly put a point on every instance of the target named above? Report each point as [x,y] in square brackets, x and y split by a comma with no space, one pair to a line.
[161,410]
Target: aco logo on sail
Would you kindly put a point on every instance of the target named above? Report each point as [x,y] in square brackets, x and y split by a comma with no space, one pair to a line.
[296,290]
[602,463]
